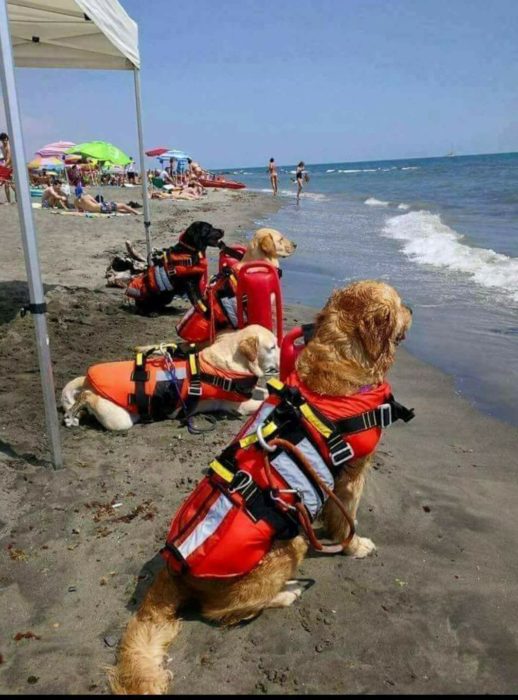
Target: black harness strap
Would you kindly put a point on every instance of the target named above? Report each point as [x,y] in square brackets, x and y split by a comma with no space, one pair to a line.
[231,252]
[141,376]
[243,386]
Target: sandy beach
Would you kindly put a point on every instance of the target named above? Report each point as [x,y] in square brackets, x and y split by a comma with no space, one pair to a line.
[433,611]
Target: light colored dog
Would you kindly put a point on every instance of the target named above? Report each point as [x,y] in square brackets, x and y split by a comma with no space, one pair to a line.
[270,245]
[252,351]
[353,346]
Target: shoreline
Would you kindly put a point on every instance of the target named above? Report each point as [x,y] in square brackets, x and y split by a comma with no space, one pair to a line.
[439,504]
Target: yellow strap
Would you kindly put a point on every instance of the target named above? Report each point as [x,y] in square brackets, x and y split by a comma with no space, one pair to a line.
[250,439]
[201,305]
[139,359]
[193,364]
[221,471]
[315,421]
[276,384]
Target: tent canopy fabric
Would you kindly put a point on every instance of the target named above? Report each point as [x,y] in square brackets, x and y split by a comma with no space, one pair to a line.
[73,34]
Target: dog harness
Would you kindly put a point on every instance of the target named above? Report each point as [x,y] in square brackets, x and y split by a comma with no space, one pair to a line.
[169,267]
[214,312]
[274,478]
[154,386]
[217,309]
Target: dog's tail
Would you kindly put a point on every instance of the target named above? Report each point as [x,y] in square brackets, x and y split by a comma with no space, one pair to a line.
[71,391]
[142,651]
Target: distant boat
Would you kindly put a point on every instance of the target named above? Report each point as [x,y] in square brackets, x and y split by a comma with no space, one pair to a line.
[450,154]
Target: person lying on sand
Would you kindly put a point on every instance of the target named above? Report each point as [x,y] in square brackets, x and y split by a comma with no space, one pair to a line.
[86,203]
[183,192]
[54,197]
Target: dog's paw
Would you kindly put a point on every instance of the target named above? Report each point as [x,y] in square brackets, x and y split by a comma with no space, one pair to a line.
[71,421]
[360,547]
[286,597]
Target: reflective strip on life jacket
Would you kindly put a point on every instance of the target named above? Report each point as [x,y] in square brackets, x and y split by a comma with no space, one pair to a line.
[162,279]
[229,305]
[312,498]
[206,527]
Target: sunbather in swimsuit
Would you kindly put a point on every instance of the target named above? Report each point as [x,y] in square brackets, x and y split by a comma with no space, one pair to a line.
[108,207]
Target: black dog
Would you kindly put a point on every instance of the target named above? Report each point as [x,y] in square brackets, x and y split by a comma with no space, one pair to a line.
[181,269]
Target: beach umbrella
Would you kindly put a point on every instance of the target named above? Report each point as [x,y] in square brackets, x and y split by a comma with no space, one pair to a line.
[156,151]
[40,163]
[101,150]
[173,153]
[57,148]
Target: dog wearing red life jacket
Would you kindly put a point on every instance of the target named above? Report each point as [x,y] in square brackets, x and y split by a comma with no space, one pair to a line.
[236,542]
[158,384]
[178,270]
[216,310]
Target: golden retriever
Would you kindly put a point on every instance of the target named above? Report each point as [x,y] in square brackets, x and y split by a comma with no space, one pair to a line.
[251,351]
[270,245]
[354,344]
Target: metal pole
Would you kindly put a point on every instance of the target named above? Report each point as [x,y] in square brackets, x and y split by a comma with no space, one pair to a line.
[143,173]
[30,248]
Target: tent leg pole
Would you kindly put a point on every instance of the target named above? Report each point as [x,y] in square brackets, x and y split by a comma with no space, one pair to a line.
[143,173]
[30,247]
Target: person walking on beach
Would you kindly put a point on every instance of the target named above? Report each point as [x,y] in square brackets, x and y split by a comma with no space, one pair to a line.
[8,163]
[301,176]
[272,169]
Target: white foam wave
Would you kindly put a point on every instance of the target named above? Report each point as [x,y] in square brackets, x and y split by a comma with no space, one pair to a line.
[411,167]
[403,206]
[330,171]
[316,196]
[428,240]
[373,202]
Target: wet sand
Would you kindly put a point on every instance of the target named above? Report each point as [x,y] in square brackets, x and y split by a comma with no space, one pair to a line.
[432,612]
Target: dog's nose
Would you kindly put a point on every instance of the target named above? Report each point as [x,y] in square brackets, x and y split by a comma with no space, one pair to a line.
[294,245]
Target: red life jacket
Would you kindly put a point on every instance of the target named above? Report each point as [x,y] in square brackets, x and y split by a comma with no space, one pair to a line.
[216,311]
[171,267]
[230,521]
[153,389]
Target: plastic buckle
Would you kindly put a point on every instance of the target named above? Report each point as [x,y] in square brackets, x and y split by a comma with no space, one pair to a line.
[385,415]
[226,384]
[195,389]
[243,484]
[341,455]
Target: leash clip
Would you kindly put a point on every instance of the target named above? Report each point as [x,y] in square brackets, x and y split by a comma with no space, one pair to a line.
[262,441]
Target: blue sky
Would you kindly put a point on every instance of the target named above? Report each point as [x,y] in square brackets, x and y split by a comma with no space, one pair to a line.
[236,82]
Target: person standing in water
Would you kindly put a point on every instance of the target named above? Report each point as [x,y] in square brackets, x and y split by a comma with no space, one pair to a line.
[272,169]
[301,176]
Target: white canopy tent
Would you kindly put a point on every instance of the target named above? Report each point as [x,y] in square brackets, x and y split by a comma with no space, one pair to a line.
[96,34]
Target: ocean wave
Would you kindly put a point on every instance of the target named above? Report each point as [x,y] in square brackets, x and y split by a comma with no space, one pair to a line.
[359,170]
[428,240]
[411,167]
[316,196]
[373,202]
[330,171]
[403,206]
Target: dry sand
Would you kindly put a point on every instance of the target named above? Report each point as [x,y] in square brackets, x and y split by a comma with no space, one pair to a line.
[434,611]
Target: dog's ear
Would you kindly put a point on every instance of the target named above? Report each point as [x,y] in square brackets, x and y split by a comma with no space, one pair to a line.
[194,233]
[267,245]
[376,330]
[249,347]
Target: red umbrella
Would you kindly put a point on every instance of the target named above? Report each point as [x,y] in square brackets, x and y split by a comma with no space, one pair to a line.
[156,151]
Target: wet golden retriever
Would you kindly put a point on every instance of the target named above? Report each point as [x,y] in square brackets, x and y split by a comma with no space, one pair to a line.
[354,344]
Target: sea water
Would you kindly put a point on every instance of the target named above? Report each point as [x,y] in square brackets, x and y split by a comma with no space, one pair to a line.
[443,231]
